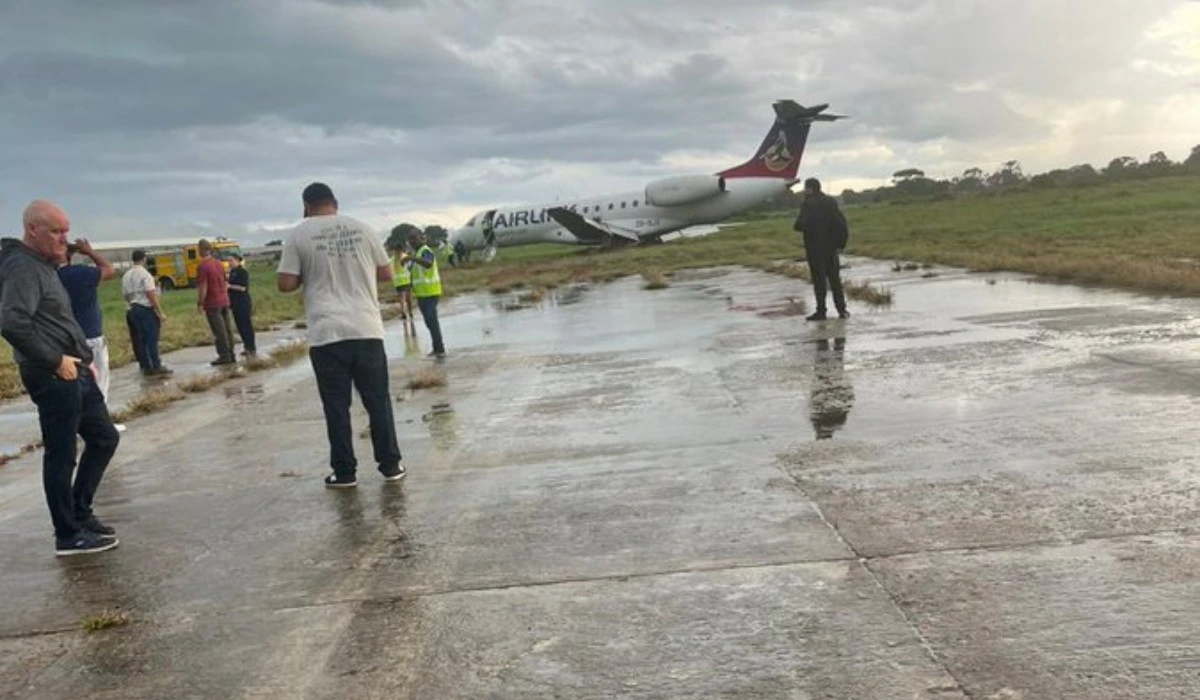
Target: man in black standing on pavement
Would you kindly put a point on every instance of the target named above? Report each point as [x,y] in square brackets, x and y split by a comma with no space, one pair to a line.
[825,234]
[56,368]
[240,303]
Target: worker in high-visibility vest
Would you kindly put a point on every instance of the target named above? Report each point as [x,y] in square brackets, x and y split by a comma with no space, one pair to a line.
[427,288]
[402,281]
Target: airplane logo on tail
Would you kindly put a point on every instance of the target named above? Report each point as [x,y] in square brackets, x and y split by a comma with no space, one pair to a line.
[778,157]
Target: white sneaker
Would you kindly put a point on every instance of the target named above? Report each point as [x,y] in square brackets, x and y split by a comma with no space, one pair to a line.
[120,427]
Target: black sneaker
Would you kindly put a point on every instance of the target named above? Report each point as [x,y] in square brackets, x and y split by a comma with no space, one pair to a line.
[818,316]
[96,527]
[333,482]
[222,361]
[395,472]
[84,543]
[843,314]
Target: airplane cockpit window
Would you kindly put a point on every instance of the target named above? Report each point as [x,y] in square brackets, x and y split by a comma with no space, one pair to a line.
[471,222]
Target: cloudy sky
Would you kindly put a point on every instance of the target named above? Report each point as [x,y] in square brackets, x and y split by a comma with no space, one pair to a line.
[153,118]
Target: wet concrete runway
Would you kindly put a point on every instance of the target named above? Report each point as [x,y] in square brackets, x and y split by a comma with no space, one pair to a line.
[987,491]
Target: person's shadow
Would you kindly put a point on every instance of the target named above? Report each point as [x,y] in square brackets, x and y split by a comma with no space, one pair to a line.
[832,396]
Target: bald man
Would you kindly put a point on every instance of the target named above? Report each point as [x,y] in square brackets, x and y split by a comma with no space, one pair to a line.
[56,368]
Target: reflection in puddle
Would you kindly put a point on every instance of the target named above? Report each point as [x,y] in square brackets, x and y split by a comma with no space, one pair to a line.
[443,426]
[832,396]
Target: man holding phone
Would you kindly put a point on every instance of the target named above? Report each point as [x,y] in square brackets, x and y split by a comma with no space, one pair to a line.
[83,284]
[55,364]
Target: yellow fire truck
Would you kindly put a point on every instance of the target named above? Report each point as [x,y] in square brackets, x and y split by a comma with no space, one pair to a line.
[176,267]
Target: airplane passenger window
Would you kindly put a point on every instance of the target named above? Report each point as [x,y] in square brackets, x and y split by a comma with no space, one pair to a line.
[622,205]
[635,202]
[585,210]
[610,205]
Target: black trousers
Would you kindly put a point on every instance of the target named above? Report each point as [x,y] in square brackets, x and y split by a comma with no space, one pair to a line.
[241,307]
[362,365]
[67,409]
[826,271]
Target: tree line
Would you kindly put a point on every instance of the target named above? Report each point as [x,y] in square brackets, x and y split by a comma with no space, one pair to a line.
[435,235]
[912,184]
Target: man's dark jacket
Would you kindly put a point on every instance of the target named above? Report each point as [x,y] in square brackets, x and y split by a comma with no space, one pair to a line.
[823,225]
[35,310]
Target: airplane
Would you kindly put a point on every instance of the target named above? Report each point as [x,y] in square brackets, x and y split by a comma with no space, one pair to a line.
[663,206]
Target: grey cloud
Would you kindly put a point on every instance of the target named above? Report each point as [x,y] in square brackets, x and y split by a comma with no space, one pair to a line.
[216,110]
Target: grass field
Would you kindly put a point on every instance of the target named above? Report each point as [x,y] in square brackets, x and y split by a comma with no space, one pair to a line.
[185,326]
[1141,235]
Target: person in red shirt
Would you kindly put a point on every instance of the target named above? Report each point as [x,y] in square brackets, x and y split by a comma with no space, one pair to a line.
[213,302]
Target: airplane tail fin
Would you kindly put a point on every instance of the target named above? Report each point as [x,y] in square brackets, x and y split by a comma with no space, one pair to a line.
[780,152]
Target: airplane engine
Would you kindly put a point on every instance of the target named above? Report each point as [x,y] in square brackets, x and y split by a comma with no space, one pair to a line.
[686,189]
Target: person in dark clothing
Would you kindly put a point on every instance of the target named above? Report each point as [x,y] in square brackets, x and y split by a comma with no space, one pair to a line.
[825,234]
[240,303]
[55,363]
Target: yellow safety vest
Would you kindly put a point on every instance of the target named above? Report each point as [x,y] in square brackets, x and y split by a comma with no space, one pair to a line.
[401,276]
[425,280]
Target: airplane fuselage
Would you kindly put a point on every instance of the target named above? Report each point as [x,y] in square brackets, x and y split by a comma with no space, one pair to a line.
[513,226]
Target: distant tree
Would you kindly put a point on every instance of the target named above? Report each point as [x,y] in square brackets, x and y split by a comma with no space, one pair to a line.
[1009,175]
[1157,165]
[972,180]
[1120,167]
[907,174]
[399,235]
[1083,175]
[1045,181]
[1192,162]
[436,234]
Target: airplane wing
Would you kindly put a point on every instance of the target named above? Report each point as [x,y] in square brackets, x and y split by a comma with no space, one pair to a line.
[590,231]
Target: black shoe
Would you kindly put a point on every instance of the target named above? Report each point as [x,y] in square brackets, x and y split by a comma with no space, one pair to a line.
[84,543]
[394,472]
[96,527]
[333,482]
[843,314]
[222,361]
[161,371]
[818,316]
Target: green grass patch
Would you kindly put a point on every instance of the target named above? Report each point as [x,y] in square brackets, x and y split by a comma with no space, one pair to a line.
[655,279]
[1139,235]
[104,620]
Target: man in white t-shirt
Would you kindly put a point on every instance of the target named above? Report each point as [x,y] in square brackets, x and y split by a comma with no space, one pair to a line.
[339,261]
[144,315]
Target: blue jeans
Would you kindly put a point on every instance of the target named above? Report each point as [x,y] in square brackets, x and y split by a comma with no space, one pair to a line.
[340,368]
[67,409]
[429,312]
[147,326]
